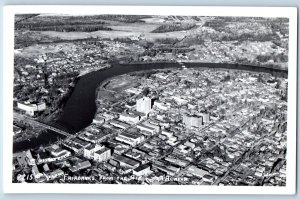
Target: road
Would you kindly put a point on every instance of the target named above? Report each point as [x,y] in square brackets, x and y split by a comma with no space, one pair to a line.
[235,165]
[32,121]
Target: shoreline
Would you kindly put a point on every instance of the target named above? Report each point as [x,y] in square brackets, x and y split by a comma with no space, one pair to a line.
[153,66]
[89,70]
[263,66]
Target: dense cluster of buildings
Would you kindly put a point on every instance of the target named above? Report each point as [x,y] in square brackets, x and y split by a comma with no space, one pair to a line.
[52,73]
[191,131]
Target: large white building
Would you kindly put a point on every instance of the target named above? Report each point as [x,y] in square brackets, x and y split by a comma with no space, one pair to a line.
[89,151]
[146,126]
[192,121]
[130,138]
[30,109]
[144,105]
[129,118]
[205,116]
[97,152]
[162,105]
[102,155]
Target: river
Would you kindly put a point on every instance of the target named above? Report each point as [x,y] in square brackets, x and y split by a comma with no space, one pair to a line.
[80,108]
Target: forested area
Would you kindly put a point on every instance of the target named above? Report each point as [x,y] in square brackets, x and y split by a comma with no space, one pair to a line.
[71,28]
[170,27]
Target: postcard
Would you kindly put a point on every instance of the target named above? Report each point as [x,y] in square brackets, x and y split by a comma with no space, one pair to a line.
[150,99]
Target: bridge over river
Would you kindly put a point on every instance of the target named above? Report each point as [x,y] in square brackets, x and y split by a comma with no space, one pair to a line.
[80,108]
[34,122]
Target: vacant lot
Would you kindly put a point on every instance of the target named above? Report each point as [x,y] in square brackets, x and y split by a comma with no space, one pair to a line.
[122,83]
[38,49]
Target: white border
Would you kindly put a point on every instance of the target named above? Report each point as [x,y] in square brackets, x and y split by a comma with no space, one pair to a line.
[10,11]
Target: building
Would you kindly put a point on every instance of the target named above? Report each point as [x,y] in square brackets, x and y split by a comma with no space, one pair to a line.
[129,118]
[192,121]
[177,161]
[77,145]
[205,116]
[208,178]
[146,126]
[169,170]
[60,152]
[109,167]
[155,178]
[141,115]
[30,159]
[107,116]
[46,167]
[98,119]
[102,154]
[143,170]
[119,124]
[162,105]
[167,133]
[30,109]
[93,138]
[144,105]
[80,165]
[35,172]
[179,100]
[97,152]
[80,142]
[126,162]
[89,151]
[130,138]
[21,158]
[135,91]
[197,171]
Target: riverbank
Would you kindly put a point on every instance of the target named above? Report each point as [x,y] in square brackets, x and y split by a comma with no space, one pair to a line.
[77,116]
[89,70]
[28,135]
[267,66]
[80,107]
[107,81]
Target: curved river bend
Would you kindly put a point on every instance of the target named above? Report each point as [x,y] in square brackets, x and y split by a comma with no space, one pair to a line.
[80,108]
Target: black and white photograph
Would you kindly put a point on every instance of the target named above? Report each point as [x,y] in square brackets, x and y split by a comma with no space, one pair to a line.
[126,98]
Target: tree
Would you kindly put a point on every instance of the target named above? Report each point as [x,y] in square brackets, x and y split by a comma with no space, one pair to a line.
[226,78]
[146,91]
[260,78]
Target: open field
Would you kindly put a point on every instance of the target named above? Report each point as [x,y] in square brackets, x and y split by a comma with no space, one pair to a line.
[121,83]
[113,35]
[36,50]
[135,27]
[153,20]
[242,40]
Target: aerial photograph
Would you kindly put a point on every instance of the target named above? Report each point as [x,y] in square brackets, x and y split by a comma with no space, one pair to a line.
[150,99]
